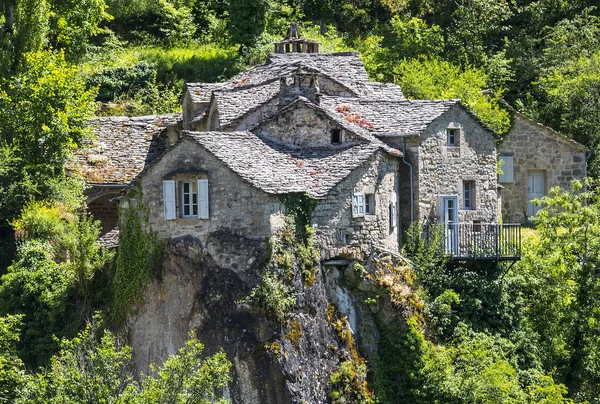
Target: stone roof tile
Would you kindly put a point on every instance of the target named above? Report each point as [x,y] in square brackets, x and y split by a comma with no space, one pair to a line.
[234,103]
[123,147]
[347,68]
[389,118]
[280,169]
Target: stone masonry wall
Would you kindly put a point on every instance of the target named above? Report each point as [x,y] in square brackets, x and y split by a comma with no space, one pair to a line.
[302,126]
[338,232]
[237,210]
[535,147]
[440,169]
[106,211]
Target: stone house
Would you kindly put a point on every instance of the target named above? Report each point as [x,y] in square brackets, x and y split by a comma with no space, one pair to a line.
[307,123]
[535,158]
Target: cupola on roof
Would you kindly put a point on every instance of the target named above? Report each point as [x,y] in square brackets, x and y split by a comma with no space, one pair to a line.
[294,43]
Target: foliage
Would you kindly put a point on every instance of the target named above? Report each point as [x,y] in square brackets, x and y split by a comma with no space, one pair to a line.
[117,81]
[295,334]
[437,79]
[560,287]
[43,110]
[138,257]
[94,367]
[272,295]
[349,382]
[11,367]
[247,19]
[73,23]
[474,368]
[37,287]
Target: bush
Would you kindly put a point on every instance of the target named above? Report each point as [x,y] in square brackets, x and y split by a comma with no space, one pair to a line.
[273,296]
[114,82]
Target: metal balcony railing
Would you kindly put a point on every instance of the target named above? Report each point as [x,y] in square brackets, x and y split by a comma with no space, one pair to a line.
[477,241]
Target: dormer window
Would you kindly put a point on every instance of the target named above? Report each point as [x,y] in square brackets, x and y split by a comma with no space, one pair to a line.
[452,136]
[337,136]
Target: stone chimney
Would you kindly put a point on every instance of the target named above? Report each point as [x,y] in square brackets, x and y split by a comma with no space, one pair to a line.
[294,43]
[299,83]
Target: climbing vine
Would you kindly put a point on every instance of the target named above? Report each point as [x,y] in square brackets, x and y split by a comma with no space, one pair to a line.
[300,207]
[138,257]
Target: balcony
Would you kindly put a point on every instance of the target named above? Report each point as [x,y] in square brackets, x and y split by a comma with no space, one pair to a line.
[476,241]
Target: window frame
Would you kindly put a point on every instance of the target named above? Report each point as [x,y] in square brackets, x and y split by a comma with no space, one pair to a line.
[336,133]
[186,198]
[454,133]
[192,203]
[370,204]
[471,195]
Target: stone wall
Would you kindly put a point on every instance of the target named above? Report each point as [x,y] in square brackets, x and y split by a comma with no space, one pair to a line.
[254,117]
[536,147]
[303,126]
[237,210]
[106,211]
[439,169]
[339,234]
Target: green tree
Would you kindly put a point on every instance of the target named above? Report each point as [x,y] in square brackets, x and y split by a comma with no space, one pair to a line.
[433,78]
[569,249]
[43,112]
[247,19]
[95,368]
[11,367]
[24,24]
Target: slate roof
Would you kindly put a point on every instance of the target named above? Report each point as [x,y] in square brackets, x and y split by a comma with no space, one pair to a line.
[279,169]
[548,129]
[110,239]
[202,92]
[124,146]
[346,67]
[234,103]
[390,118]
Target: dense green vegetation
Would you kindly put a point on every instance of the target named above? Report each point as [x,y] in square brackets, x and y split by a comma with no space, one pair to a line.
[526,333]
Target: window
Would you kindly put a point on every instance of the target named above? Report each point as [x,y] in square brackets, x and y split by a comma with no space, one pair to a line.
[369,204]
[469,195]
[336,136]
[507,167]
[358,205]
[392,215]
[189,199]
[192,199]
[477,226]
[452,135]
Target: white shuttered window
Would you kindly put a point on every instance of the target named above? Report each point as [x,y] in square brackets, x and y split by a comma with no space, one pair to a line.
[169,199]
[203,199]
[358,205]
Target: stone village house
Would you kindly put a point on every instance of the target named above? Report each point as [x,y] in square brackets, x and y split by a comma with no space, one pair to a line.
[312,123]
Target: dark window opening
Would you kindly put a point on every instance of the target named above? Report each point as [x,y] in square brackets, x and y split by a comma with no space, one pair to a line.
[336,136]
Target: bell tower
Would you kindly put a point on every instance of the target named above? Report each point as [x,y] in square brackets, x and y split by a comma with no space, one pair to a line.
[294,43]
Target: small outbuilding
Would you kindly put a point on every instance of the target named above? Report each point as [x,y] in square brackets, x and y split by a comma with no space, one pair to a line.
[534,159]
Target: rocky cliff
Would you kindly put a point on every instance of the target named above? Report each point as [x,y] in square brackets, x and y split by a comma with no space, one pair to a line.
[275,360]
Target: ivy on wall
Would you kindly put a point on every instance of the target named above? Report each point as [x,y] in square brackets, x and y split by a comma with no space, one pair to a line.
[138,258]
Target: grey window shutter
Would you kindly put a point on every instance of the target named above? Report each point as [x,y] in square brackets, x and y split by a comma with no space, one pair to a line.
[203,199]
[169,199]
